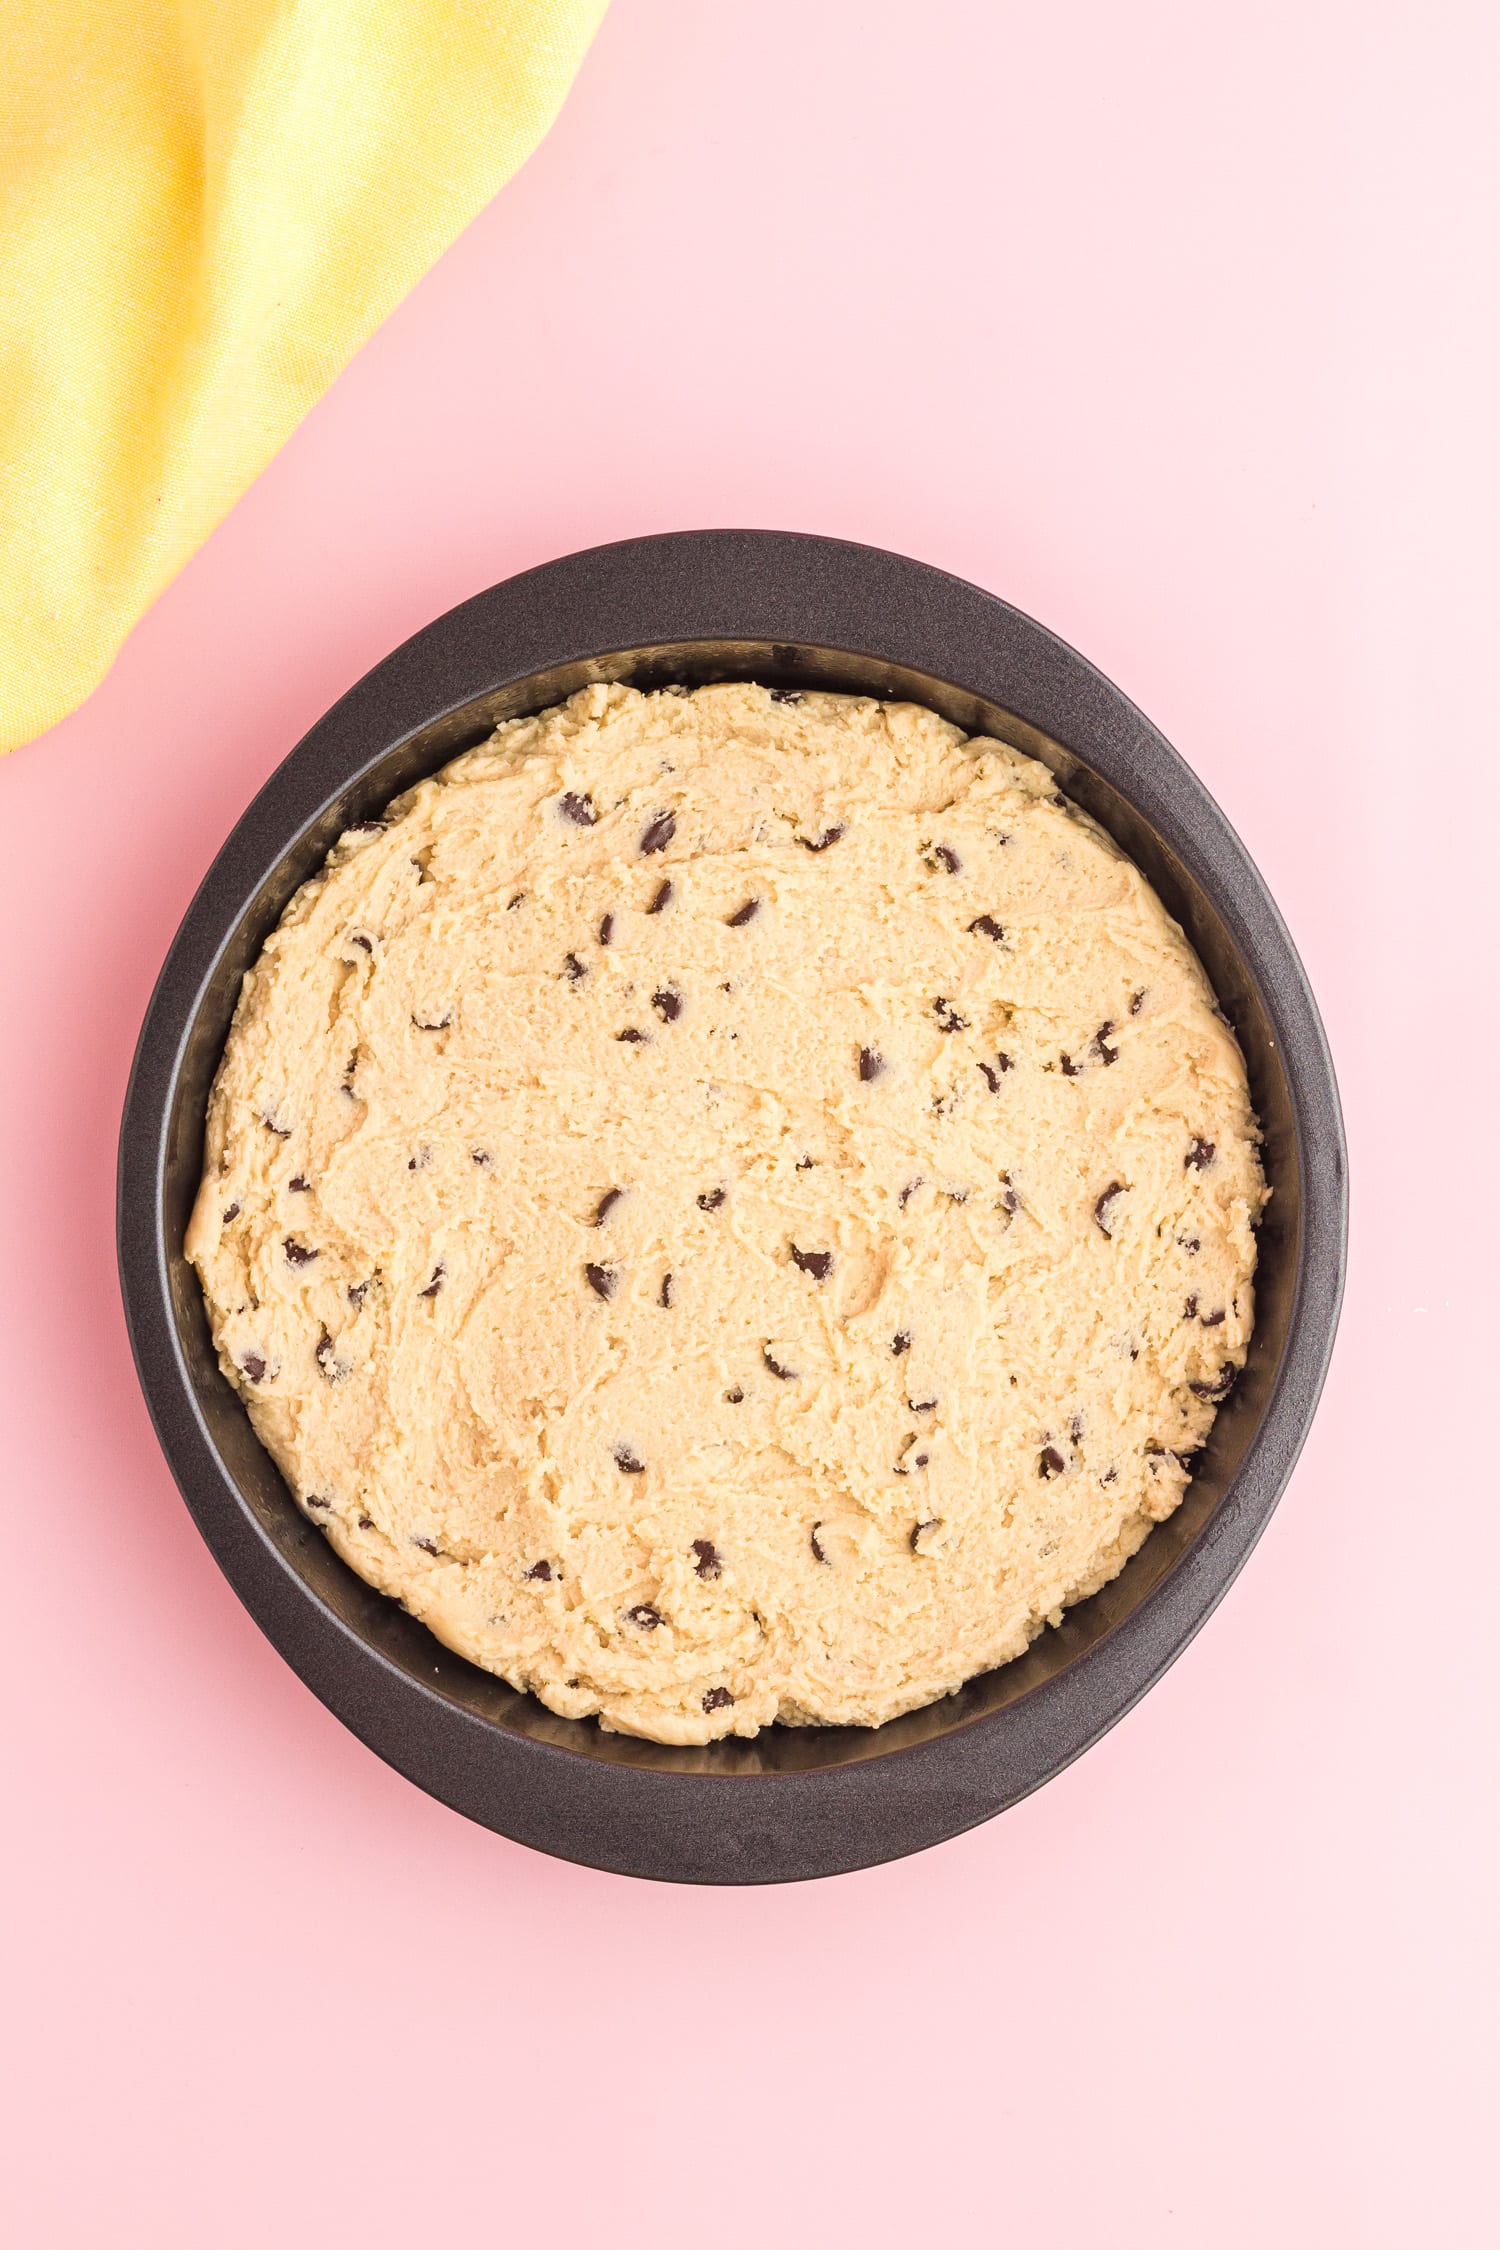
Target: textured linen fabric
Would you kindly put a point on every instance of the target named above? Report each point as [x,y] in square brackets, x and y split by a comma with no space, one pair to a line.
[206,206]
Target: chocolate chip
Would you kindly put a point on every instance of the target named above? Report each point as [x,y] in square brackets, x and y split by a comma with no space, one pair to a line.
[606,1204]
[627,1464]
[233,1212]
[420,1161]
[1136,998]
[540,1570]
[578,809]
[901,1341]
[922,1405]
[1071,1069]
[667,1003]
[662,899]
[782,1374]
[1075,1428]
[917,1530]
[1190,1243]
[334,1369]
[365,828]
[630,1037]
[282,1132]
[1199,1156]
[659,833]
[358,937]
[1106,1054]
[1109,1476]
[711,1199]
[736,1397]
[806,1163]
[909,1191]
[1190,1309]
[820,843]
[603,1280]
[985,925]
[297,1253]
[606,929]
[992,1073]
[442,1022]
[719,1698]
[706,1559]
[253,1367]
[941,855]
[871,1064]
[784,695]
[645,1617]
[436,1282]
[482,1157]
[512,903]
[812,1540]
[948,1016]
[665,1296]
[1050,1462]
[819,1263]
[367,1523]
[573,968]
[744,914]
[1009,1200]
[1213,1319]
[356,1292]
[428,1546]
[1101,1208]
[1057,798]
[1221,1386]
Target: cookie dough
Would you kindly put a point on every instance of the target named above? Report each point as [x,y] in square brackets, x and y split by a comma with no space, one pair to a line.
[732,1206]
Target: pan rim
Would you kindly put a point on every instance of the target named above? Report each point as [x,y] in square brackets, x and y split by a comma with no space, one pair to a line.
[874,606]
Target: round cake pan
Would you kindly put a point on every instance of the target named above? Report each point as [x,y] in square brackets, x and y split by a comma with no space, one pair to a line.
[788,610]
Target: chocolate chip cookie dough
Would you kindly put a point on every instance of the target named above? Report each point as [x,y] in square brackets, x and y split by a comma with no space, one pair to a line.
[732,1206]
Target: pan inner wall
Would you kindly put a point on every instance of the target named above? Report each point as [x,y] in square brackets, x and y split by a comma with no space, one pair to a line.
[379,1622]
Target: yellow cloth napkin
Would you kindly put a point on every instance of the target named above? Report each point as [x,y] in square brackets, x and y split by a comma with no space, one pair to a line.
[206,206]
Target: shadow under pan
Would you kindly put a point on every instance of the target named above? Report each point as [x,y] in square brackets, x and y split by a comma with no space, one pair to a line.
[788,610]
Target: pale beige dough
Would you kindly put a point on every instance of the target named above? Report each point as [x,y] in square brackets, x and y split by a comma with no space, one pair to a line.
[731,1208]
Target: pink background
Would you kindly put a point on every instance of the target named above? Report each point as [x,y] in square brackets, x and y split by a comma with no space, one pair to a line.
[1172,323]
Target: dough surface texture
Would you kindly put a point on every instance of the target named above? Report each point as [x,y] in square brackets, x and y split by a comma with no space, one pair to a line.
[732,1206]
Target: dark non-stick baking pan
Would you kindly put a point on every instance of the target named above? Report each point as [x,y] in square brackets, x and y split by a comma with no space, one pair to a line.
[788,610]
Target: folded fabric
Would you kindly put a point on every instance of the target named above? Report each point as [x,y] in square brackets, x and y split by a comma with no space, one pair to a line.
[206,206]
